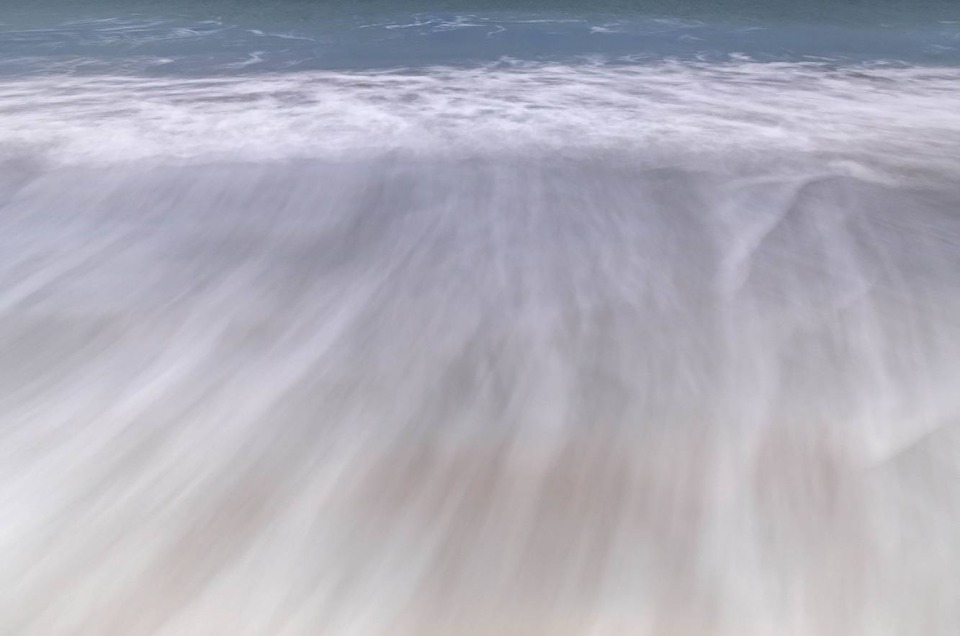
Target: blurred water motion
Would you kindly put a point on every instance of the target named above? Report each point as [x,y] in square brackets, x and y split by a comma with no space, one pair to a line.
[539,350]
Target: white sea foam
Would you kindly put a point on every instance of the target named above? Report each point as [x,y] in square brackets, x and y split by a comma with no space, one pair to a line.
[520,350]
[901,113]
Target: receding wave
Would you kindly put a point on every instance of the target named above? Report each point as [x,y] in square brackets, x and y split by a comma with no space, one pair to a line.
[538,350]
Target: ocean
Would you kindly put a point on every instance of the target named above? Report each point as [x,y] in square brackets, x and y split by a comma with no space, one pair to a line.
[480,318]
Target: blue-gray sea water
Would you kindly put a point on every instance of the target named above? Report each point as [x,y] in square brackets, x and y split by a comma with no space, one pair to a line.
[491,318]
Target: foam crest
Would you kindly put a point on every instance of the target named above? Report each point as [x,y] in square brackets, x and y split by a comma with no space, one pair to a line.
[909,113]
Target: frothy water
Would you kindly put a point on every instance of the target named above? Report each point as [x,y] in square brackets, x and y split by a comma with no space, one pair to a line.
[527,347]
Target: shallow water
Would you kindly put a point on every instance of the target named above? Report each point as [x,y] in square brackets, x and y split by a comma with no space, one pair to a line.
[403,329]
